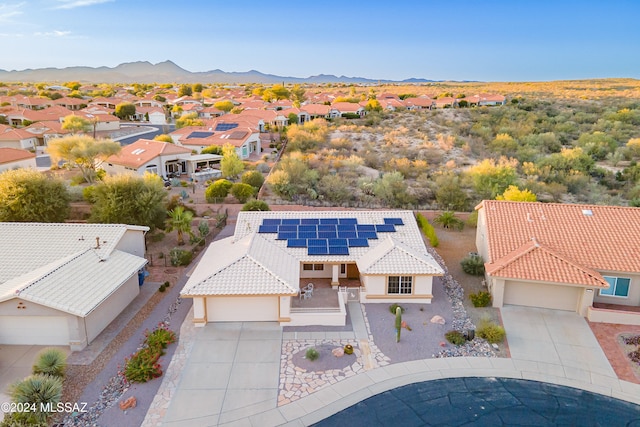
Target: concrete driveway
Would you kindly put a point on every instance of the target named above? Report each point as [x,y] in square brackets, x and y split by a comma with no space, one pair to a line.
[232,371]
[558,342]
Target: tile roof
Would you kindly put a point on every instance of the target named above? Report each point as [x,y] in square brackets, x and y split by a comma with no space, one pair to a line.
[392,257]
[145,150]
[10,155]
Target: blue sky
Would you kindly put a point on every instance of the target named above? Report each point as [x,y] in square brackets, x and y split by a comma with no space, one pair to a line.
[506,40]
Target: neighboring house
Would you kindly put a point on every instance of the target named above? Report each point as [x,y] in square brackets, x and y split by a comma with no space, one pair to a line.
[255,275]
[45,131]
[485,99]
[73,104]
[420,103]
[582,258]
[245,140]
[316,110]
[13,158]
[160,158]
[340,108]
[62,284]
[18,138]
[154,115]
[446,102]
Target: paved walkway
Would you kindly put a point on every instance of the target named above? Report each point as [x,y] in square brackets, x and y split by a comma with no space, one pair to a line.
[230,376]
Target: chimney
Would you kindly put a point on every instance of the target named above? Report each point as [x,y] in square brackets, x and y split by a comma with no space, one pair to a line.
[97,242]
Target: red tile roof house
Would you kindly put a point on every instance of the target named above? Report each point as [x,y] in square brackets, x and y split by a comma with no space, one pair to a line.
[17,138]
[13,158]
[245,139]
[582,258]
[340,108]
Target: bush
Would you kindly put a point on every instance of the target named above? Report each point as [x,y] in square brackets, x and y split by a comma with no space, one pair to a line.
[180,257]
[253,178]
[473,264]
[160,337]
[480,299]
[88,192]
[449,219]
[394,306]
[256,205]
[491,332]
[218,190]
[455,337]
[162,288]
[427,230]
[50,361]
[242,192]
[143,365]
[312,354]
[36,389]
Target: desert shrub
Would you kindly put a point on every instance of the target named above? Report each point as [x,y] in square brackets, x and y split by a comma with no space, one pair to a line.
[157,237]
[76,194]
[394,306]
[312,354]
[253,178]
[39,390]
[242,192]
[87,193]
[472,221]
[480,299]
[50,361]
[633,340]
[161,337]
[449,219]
[218,190]
[491,332]
[166,284]
[77,180]
[180,257]
[473,264]
[428,230]
[262,167]
[256,205]
[455,337]
[143,365]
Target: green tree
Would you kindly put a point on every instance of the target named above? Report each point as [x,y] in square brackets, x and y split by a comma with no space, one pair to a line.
[242,192]
[83,152]
[298,94]
[231,165]
[225,106]
[180,220]
[185,90]
[597,144]
[254,178]
[373,105]
[196,87]
[256,205]
[514,194]
[491,178]
[293,119]
[125,110]
[129,199]
[72,85]
[392,190]
[29,196]
[217,190]
[276,92]
[163,138]
[450,194]
[449,219]
[76,124]
[190,119]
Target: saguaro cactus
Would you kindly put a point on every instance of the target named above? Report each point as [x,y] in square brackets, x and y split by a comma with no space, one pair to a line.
[398,323]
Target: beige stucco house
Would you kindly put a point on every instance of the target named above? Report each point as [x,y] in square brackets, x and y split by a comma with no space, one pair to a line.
[256,274]
[62,284]
[582,258]
[14,158]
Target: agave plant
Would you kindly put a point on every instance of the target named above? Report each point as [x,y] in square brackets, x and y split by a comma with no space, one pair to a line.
[51,361]
[41,390]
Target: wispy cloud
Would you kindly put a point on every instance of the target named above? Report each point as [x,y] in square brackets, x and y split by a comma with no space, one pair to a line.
[8,11]
[54,33]
[72,4]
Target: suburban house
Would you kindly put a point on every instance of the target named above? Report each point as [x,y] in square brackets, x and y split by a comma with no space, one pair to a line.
[485,99]
[299,268]
[17,138]
[582,258]
[244,137]
[14,158]
[338,109]
[160,158]
[62,284]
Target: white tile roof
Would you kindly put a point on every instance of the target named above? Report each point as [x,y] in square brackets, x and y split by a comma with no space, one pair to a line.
[392,257]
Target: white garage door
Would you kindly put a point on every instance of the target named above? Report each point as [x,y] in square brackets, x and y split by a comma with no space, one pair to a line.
[30,330]
[242,309]
[540,295]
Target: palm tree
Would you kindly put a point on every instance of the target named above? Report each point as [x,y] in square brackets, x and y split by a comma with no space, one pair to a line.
[449,219]
[180,220]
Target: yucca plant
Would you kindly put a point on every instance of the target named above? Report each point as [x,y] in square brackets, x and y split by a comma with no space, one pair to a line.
[39,389]
[449,219]
[50,361]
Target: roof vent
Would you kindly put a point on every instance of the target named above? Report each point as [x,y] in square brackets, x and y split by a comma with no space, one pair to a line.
[587,212]
[529,217]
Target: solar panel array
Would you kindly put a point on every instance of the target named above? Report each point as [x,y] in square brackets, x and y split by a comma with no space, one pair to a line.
[221,127]
[326,236]
[199,134]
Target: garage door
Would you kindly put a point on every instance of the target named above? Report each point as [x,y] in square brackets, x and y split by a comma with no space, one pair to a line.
[540,295]
[30,330]
[242,309]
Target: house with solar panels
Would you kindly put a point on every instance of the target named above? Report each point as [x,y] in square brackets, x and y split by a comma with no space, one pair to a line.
[242,135]
[264,271]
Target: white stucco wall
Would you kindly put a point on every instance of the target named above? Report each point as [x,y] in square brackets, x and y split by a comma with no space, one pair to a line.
[634,290]
[26,164]
[132,242]
[239,309]
[110,308]
[375,290]
[34,324]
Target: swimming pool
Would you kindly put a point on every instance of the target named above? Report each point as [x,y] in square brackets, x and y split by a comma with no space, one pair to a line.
[486,402]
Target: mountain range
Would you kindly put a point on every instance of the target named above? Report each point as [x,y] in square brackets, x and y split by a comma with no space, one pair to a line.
[169,72]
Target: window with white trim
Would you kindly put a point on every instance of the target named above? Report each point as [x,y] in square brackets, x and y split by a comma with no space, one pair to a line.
[618,287]
[312,267]
[399,284]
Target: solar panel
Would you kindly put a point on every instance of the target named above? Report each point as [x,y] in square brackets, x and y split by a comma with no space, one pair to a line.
[285,235]
[347,234]
[358,243]
[327,234]
[367,235]
[268,229]
[317,250]
[328,220]
[347,221]
[394,221]
[308,234]
[337,242]
[346,227]
[271,221]
[324,227]
[296,243]
[307,228]
[291,221]
[366,227]
[221,127]
[385,228]
[338,250]
[317,242]
[199,134]
[238,134]
[309,221]
[288,228]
